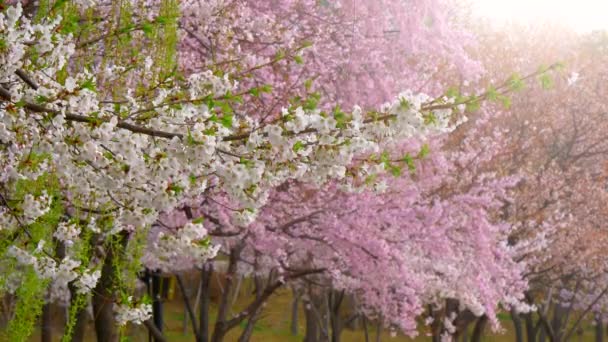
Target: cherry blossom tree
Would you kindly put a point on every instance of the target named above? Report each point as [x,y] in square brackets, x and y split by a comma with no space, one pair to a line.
[95,146]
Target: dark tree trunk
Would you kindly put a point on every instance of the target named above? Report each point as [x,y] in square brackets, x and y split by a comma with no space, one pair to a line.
[220,329]
[103,299]
[461,323]
[104,294]
[365,330]
[542,336]
[295,303]
[204,302]
[379,329]
[253,317]
[335,299]
[480,326]
[531,329]
[599,330]
[435,325]
[558,321]
[188,304]
[519,333]
[157,303]
[82,318]
[46,329]
[312,324]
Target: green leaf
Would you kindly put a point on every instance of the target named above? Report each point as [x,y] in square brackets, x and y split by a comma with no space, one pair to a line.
[148,29]
[506,101]
[404,104]
[227,120]
[385,159]
[308,84]
[430,119]
[473,105]
[546,81]
[340,117]
[424,151]
[492,93]
[279,55]
[266,88]
[162,19]
[298,146]
[89,84]
[198,220]
[41,99]
[409,161]
[395,170]
[175,189]
[312,101]
[516,83]
[452,92]
[254,92]
[298,59]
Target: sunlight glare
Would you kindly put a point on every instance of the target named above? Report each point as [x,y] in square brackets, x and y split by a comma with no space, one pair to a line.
[581,15]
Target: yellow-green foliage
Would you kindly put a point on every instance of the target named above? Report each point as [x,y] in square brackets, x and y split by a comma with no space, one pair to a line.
[31,289]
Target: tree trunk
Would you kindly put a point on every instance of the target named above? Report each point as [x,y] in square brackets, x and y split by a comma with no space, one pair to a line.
[557,323]
[253,317]
[220,329]
[479,328]
[379,329]
[530,327]
[335,299]
[435,325]
[157,303]
[599,330]
[188,304]
[103,299]
[365,330]
[46,329]
[206,273]
[542,336]
[295,303]
[80,326]
[519,334]
[312,325]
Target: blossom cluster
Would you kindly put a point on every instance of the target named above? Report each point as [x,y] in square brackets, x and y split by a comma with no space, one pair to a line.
[125,160]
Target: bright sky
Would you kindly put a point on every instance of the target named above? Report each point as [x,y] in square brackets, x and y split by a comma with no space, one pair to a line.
[582,15]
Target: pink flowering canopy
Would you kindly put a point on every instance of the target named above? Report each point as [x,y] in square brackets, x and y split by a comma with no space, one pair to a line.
[304,139]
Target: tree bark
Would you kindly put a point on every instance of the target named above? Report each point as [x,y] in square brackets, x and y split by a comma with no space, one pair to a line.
[188,305]
[157,334]
[253,317]
[365,330]
[312,325]
[519,333]
[295,303]
[46,329]
[206,273]
[479,328]
[335,299]
[379,329]
[220,329]
[531,329]
[103,296]
[82,319]
[599,330]
[157,303]
[102,303]
[557,322]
